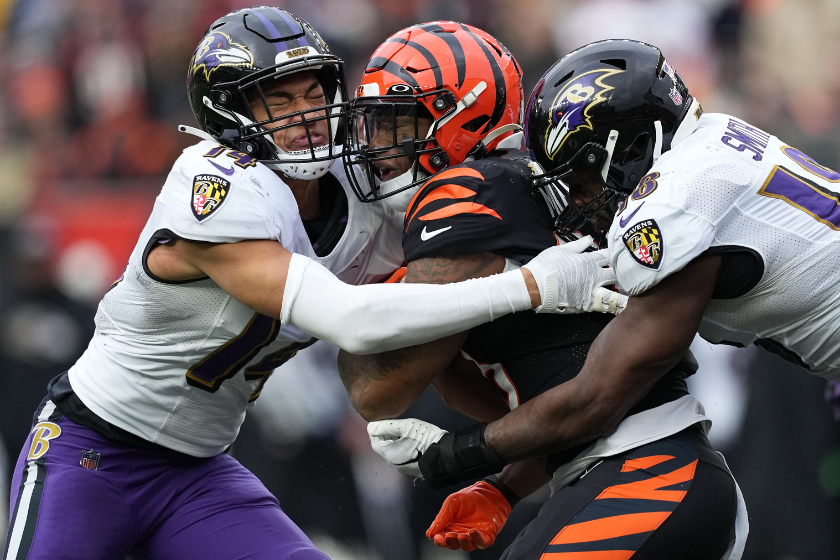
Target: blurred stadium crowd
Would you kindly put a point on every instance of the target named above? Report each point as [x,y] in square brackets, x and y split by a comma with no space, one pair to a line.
[91,92]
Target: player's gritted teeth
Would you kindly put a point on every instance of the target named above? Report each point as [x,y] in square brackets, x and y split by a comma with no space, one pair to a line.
[302,141]
[299,96]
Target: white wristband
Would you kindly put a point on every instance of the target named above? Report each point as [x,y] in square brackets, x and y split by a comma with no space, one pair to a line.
[380,317]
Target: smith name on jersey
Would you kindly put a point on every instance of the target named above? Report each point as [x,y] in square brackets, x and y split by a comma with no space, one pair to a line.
[490,206]
[771,211]
[178,363]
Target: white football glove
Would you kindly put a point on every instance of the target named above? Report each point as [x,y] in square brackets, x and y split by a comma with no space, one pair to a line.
[402,442]
[570,281]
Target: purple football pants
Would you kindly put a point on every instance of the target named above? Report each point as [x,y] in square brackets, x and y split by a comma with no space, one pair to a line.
[155,503]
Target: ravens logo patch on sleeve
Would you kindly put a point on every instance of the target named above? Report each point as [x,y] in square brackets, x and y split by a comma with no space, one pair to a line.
[209,192]
[645,243]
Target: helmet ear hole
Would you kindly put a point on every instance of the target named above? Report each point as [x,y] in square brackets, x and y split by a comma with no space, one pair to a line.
[222,97]
[438,160]
[475,124]
[636,150]
[214,128]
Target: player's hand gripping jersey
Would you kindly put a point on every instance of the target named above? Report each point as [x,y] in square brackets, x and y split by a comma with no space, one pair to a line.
[489,205]
[178,364]
[772,212]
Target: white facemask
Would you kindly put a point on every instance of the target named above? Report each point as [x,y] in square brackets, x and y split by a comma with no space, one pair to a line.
[294,169]
[399,202]
[306,169]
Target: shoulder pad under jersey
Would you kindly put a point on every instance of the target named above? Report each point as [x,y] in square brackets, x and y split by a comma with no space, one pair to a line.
[219,195]
[653,236]
[481,206]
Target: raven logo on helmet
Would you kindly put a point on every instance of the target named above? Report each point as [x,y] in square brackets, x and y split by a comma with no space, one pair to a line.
[217,50]
[570,109]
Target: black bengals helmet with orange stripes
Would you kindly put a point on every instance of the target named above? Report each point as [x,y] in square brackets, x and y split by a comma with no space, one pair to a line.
[432,96]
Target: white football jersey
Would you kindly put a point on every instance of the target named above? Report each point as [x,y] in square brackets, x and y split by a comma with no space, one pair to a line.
[178,364]
[730,185]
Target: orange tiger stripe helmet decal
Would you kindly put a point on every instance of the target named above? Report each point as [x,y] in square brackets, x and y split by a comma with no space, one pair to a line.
[467,80]
[455,57]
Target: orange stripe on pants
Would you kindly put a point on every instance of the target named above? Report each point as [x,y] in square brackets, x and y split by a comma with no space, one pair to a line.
[649,489]
[594,555]
[644,462]
[610,527]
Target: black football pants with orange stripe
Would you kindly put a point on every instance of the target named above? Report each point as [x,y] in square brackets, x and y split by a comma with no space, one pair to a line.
[673,498]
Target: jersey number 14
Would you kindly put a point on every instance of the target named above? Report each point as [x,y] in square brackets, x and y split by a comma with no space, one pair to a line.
[224,362]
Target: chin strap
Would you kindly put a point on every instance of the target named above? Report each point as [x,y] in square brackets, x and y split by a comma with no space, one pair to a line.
[195,132]
[657,143]
[610,147]
[465,102]
[492,135]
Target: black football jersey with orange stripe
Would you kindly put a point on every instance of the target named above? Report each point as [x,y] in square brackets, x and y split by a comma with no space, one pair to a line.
[482,206]
[489,205]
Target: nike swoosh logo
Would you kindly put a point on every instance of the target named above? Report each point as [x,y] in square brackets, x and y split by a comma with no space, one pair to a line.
[623,221]
[426,235]
[224,170]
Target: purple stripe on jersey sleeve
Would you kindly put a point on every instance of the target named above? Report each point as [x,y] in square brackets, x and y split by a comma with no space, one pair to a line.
[820,203]
[810,165]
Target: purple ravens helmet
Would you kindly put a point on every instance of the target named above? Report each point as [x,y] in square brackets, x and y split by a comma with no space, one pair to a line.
[238,56]
[604,112]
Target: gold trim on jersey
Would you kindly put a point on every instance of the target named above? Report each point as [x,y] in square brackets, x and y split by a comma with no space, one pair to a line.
[779,196]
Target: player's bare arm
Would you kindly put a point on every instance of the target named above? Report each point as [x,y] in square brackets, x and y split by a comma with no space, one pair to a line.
[253,272]
[618,372]
[464,388]
[384,385]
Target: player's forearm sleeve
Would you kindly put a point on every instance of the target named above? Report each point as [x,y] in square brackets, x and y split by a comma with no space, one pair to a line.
[380,317]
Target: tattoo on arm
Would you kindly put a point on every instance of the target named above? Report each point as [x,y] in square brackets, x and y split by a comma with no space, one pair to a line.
[388,382]
[445,270]
[372,367]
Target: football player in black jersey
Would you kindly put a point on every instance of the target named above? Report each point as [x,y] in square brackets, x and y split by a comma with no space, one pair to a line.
[654,488]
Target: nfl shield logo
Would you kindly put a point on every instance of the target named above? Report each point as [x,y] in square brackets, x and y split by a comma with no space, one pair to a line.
[90,460]
[675,96]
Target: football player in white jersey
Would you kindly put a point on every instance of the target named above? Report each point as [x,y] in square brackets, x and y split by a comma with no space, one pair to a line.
[714,226]
[717,227]
[226,283]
